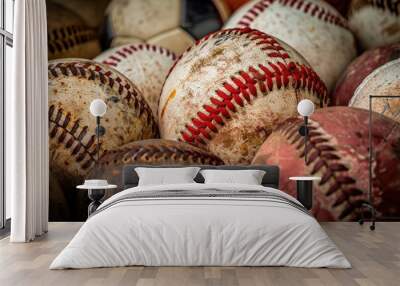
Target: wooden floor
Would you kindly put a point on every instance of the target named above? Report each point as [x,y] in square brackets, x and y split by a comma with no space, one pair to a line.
[375,257]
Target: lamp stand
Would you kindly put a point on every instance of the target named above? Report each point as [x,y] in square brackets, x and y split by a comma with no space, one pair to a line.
[100,131]
[304,132]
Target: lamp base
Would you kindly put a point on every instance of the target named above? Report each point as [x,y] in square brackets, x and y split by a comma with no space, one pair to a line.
[100,130]
[371,208]
[304,193]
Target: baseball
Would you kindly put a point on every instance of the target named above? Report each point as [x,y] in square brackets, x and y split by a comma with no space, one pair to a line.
[145,65]
[68,35]
[227,92]
[384,81]
[151,152]
[359,69]
[314,28]
[338,153]
[73,84]
[172,24]
[375,23]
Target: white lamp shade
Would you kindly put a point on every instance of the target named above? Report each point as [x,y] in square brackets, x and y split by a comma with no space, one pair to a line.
[305,107]
[98,107]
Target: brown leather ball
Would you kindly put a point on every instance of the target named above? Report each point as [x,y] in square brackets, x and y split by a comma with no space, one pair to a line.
[338,153]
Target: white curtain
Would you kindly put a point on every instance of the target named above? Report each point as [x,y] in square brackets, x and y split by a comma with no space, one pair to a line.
[27,124]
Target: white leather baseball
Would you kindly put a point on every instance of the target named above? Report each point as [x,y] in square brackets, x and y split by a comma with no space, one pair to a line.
[145,65]
[229,90]
[384,81]
[312,27]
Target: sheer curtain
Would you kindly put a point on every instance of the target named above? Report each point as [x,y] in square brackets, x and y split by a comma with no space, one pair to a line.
[27,124]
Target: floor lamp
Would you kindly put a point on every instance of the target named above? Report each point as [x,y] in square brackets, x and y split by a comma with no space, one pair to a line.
[369,204]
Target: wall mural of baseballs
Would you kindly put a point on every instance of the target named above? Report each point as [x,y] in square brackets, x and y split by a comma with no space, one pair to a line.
[312,27]
[218,82]
[359,69]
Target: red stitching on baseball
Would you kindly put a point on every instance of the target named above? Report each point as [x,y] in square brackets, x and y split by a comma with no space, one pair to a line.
[127,50]
[323,158]
[243,89]
[303,5]
[58,119]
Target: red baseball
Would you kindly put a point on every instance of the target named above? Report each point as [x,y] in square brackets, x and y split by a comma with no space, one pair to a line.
[226,93]
[375,23]
[338,153]
[360,68]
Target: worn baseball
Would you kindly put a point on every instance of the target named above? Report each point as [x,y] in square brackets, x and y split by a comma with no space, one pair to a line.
[338,153]
[145,65]
[376,23]
[172,24]
[73,84]
[68,35]
[312,27]
[359,69]
[227,92]
[383,82]
[151,152]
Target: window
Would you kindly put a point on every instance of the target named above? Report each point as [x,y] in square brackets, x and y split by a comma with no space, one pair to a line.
[6,62]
